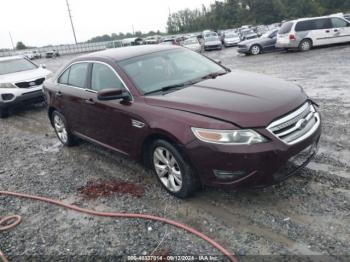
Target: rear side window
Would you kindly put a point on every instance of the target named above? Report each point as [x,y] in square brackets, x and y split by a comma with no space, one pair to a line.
[305,26]
[286,27]
[77,75]
[337,22]
[103,77]
[64,77]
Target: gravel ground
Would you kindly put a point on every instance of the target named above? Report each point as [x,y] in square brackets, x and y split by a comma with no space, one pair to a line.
[306,215]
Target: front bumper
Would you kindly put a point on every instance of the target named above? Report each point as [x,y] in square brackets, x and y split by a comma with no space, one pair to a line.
[257,165]
[212,47]
[243,49]
[28,97]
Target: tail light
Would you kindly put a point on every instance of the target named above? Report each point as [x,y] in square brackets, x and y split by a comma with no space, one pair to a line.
[292,37]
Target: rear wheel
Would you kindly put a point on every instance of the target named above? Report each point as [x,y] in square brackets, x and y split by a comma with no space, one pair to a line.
[61,129]
[255,50]
[305,45]
[172,170]
[4,112]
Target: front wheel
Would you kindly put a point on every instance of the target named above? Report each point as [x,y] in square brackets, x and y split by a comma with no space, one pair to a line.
[61,129]
[255,50]
[172,170]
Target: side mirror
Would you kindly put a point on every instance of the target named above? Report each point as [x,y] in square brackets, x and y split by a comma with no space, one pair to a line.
[43,66]
[113,94]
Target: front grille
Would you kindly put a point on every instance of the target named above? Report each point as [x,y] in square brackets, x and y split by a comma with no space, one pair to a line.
[297,125]
[29,84]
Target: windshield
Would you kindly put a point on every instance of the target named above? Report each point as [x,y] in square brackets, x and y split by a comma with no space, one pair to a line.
[155,71]
[15,65]
[231,35]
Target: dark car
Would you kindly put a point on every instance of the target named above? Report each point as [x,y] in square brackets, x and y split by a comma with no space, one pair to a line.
[188,118]
[265,43]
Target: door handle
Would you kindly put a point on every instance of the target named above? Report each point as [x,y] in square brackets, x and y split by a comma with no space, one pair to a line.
[89,101]
[327,31]
[336,30]
[59,93]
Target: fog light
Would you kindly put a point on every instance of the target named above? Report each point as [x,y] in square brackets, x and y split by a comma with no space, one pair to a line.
[232,175]
[7,97]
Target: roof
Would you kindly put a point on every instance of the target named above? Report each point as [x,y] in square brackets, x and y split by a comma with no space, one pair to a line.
[119,54]
[5,58]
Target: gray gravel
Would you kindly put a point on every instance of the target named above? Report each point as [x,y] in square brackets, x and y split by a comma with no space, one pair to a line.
[306,215]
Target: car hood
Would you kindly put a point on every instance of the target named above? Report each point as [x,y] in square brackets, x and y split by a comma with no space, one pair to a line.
[24,75]
[212,42]
[242,98]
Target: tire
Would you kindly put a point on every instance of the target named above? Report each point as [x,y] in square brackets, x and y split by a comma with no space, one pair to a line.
[255,50]
[305,45]
[62,131]
[171,169]
[4,113]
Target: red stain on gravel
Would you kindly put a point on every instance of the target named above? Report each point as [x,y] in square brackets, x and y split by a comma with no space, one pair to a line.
[161,255]
[100,188]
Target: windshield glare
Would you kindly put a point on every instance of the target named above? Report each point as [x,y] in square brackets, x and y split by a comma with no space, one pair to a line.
[154,71]
[16,65]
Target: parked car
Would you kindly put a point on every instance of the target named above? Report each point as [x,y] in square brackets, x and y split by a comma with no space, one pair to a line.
[246,34]
[265,43]
[305,33]
[188,118]
[170,41]
[193,44]
[36,54]
[28,55]
[20,82]
[211,41]
[52,53]
[231,39]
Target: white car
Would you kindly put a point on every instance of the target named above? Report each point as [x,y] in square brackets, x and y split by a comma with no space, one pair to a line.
[305,33]
[193,44]
[20,82]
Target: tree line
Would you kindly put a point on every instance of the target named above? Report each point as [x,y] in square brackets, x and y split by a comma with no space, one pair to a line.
[234,13]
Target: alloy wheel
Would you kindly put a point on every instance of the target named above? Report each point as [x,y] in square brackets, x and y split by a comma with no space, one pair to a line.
[167,169]
[255,50]
[305,46]
[60,129]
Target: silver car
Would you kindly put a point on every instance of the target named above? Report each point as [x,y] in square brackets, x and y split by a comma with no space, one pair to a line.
[20,81]
[256,46]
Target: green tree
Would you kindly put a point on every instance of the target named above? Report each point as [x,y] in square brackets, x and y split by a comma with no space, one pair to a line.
[20,46]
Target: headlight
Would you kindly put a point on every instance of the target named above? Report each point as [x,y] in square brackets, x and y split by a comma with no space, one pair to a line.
[7,85]
[229,137]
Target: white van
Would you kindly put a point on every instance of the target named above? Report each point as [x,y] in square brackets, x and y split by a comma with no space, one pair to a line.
[305,33]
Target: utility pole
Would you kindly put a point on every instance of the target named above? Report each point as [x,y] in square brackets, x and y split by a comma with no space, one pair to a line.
[13,47]
[71,22]
[133,31]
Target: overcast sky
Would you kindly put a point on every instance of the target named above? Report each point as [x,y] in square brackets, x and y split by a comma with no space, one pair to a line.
[42,22]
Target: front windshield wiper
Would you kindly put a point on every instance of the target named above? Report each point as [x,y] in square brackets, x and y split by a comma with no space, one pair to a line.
[169,87]
[213,75]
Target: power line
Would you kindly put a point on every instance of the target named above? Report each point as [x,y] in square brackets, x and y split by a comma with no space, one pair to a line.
[71,22]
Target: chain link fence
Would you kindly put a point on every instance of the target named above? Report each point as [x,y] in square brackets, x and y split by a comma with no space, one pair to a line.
[66,49]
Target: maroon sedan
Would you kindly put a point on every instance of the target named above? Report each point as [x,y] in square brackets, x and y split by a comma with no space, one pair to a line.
[193,121]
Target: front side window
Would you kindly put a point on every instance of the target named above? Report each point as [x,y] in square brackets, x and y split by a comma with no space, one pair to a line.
[77,75]
[337,22]
[16,65]
[103,77]
[64,77]
[155,71]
